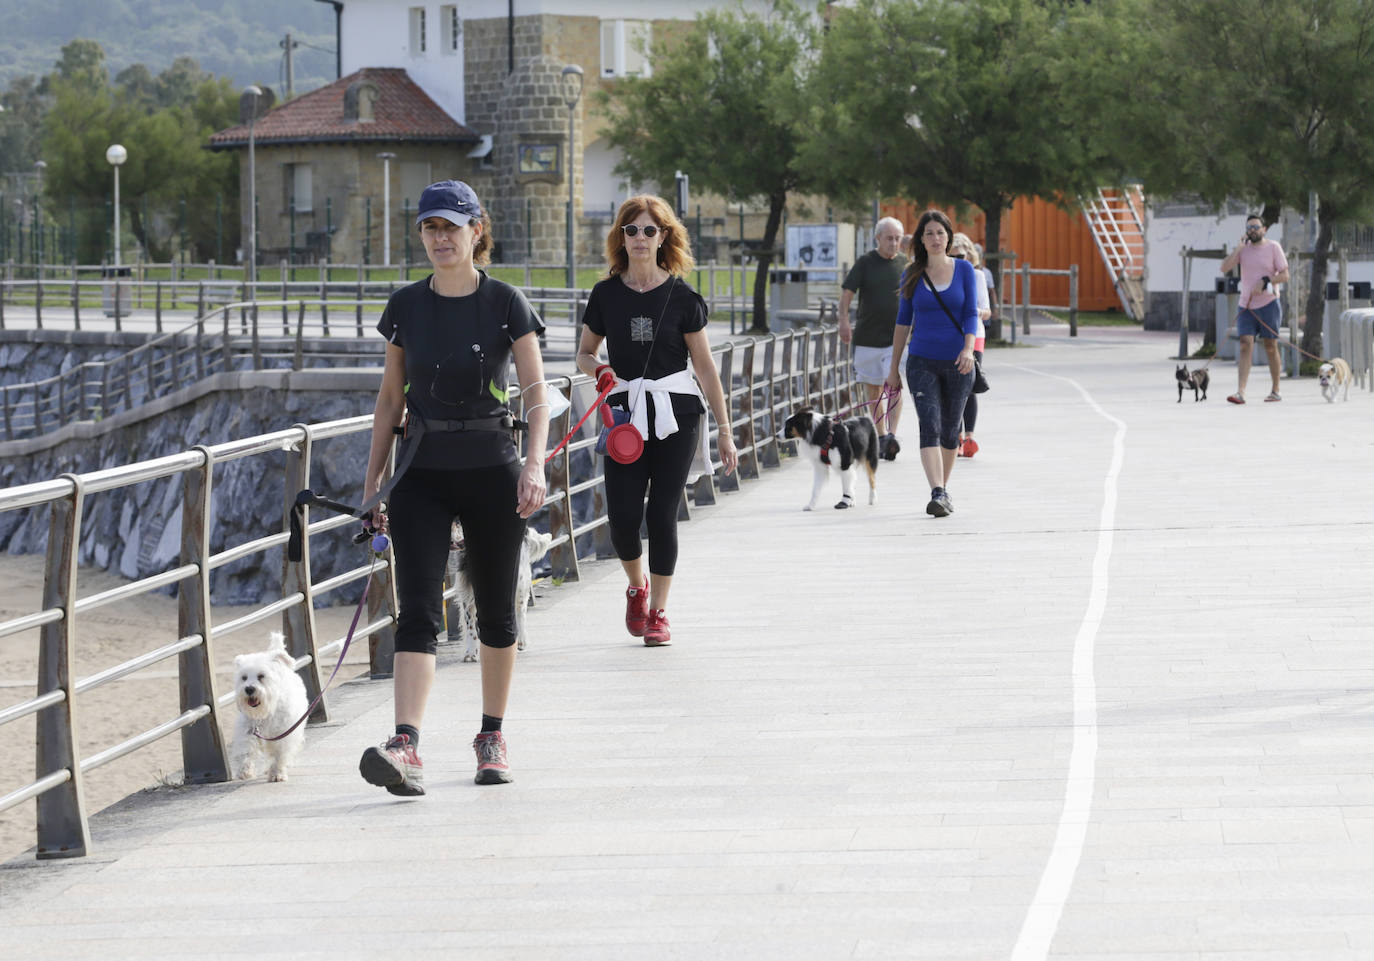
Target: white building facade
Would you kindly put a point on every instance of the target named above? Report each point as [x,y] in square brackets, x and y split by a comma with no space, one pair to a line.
[497,67]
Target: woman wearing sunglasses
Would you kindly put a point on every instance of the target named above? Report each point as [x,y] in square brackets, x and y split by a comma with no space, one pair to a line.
[449,340]
[654,326]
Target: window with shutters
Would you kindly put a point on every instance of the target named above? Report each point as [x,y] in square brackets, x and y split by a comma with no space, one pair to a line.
[625,48]
[417,31]
[298,185]
[451,29]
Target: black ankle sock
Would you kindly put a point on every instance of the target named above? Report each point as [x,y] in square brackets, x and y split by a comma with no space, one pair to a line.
[490,723]
[412,732]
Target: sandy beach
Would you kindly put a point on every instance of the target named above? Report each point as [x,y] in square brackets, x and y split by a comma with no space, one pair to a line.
[117,711]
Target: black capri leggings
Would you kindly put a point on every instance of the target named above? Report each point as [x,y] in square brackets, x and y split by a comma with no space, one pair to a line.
[662,471]
[940,392]
[423,506]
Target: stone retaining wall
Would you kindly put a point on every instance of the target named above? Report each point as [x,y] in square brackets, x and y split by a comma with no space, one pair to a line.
[136,530]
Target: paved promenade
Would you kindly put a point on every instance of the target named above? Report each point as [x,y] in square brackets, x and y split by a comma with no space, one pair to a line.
[1118,706]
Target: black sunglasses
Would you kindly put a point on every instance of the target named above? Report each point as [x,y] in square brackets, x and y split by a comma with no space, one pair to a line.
[633,229]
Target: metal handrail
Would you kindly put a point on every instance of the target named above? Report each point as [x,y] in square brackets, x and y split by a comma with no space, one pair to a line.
[804,366]
[184,356]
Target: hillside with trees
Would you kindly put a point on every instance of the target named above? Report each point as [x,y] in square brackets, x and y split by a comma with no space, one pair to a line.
[180,199]
[236,39]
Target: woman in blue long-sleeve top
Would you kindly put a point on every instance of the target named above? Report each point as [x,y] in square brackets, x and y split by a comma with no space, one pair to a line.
[938,310]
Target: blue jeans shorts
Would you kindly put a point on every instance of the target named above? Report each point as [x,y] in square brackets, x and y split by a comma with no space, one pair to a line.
[1248,326]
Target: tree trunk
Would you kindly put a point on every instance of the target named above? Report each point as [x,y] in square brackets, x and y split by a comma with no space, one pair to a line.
[776,202]
[992,228]
[1316,292]
[140,232]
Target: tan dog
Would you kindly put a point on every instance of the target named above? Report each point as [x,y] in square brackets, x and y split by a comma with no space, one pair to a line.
[1333,376]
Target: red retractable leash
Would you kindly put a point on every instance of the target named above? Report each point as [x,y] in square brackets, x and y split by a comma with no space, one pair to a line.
[606,419]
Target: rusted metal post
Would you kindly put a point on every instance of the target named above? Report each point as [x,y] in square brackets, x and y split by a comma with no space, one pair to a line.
[63,831]
[298,622]
[203,754]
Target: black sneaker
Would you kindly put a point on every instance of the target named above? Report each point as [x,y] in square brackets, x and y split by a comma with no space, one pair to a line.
[890,447]
[939,505]
[395,766]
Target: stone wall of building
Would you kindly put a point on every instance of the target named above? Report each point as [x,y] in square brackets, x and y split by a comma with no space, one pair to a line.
[344,178]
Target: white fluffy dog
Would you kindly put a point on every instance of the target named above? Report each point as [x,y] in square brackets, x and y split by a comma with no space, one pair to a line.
[535,545]
[270,696]
[1333,376]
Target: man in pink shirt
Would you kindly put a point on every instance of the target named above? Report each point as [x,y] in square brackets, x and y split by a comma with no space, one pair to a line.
[1262,268]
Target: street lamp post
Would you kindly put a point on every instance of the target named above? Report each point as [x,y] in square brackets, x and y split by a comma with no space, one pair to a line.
[253,93]
[386,157]
[38,167]
[116,155]
[572,92]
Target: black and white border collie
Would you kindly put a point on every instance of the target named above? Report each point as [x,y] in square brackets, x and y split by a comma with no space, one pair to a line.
[835,445]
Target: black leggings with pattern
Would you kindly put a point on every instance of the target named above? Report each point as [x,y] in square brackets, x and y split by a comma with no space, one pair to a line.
[940,392]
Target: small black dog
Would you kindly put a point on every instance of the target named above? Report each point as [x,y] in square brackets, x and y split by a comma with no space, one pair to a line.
[1195,381]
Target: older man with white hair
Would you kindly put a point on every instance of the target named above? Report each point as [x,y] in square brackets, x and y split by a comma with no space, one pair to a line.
[875,277]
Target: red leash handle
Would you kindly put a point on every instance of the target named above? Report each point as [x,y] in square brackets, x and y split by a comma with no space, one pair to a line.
[578,426]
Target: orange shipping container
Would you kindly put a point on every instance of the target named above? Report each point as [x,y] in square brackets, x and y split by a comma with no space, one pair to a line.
[1043,236]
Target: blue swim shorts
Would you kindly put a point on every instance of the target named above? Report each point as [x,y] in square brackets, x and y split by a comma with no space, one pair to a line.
[1248,326]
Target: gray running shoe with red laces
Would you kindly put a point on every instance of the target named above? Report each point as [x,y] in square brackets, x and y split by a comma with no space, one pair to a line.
[394,766]
[491,759]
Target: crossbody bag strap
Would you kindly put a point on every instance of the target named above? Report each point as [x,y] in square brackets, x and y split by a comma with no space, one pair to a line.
[672,283]
[925,276]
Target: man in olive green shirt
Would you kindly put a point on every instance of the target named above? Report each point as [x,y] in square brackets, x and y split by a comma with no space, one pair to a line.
[875,277]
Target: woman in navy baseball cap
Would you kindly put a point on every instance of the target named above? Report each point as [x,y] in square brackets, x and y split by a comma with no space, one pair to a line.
[450,338]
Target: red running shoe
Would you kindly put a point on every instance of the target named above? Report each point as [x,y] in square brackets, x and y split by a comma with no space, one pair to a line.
[656,634]
[970,447]
[394,766]
[491,759]
[637,609]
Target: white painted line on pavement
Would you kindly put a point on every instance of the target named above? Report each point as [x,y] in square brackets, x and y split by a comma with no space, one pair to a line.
[1042,918]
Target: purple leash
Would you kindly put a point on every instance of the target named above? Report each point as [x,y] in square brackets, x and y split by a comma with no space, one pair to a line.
[379,545]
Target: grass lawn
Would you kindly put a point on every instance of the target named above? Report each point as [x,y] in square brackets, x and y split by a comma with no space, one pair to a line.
[1094,318]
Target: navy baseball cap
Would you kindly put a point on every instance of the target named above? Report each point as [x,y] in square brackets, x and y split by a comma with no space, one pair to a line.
[451,199]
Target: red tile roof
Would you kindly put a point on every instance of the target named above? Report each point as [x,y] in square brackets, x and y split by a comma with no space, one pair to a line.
[402,112]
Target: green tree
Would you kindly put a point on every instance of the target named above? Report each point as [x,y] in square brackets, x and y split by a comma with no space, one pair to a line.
[951,102]
[1266,100]
[167,165]
[725,105]
[20,123]
[83,63]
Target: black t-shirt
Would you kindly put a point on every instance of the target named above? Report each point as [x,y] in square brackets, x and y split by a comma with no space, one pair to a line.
[628,320]
[457,354]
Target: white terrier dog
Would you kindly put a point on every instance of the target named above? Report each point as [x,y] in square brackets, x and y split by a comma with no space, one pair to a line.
[535,545]
[270,697]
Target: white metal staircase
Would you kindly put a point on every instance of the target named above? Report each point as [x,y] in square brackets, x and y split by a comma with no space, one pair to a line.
[1116,218]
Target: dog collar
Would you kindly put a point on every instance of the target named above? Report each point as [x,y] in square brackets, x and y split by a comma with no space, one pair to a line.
[829,440]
